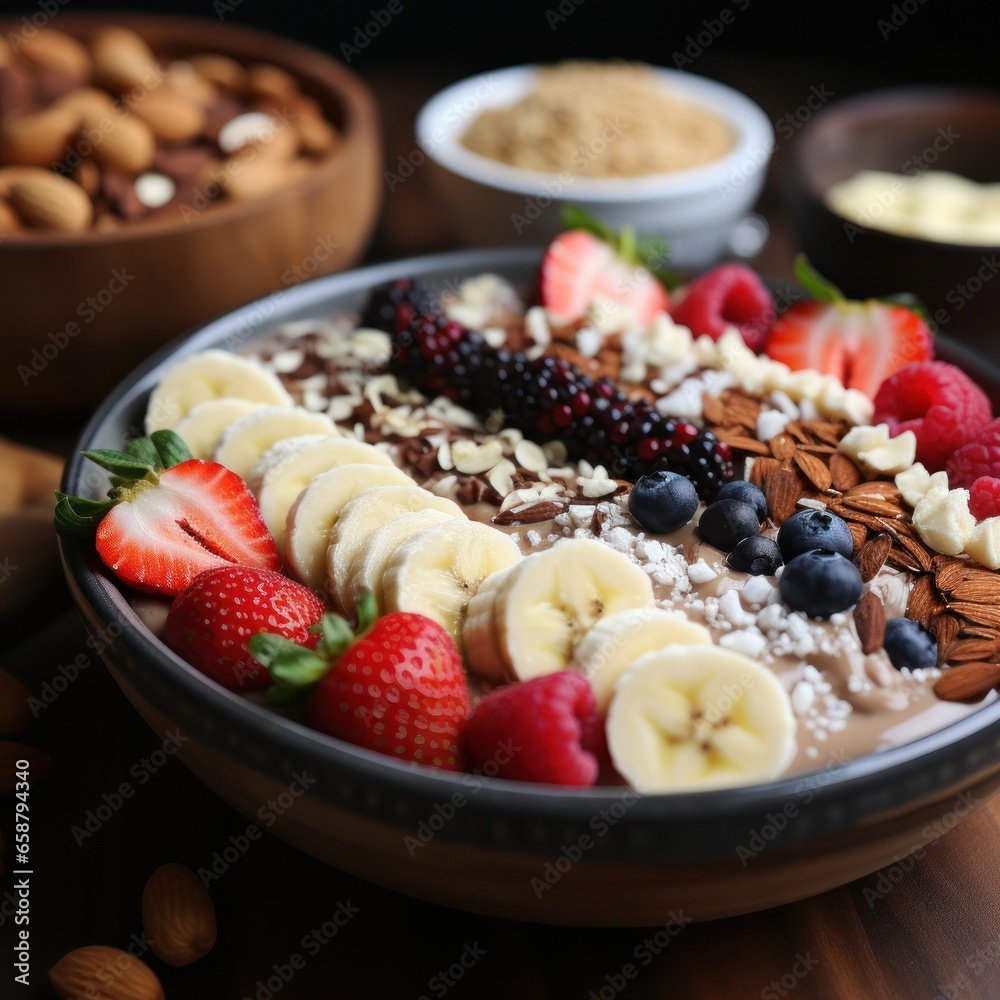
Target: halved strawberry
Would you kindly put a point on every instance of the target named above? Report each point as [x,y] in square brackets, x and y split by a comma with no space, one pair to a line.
[861,343]
[580,268]
[162,526]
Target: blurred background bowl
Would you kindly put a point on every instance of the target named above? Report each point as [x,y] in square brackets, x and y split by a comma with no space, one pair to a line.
[489,202]
[182,273]
[903,131]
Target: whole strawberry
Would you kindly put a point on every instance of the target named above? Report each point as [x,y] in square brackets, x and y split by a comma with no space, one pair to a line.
[169,517]
[212,620]
[398,687]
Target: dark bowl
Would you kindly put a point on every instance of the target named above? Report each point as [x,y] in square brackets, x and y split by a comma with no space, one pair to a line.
[599,856]
[906,131]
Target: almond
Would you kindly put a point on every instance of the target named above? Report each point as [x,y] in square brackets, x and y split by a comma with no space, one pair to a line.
[57,50]
[316,136]
[871,503]
[844,472]
[872,556]
[966,649]
[49,201]
[924,601]
[266,80]
[782,491]
[915,549]
[944,628]
[178,915]
[40,139]
[814,469]
[544,511]
[88,176]
[869,620]
[761,469]
[13,753]
[783,446]
[6,52]
[122,60]
[261,176]
[712,408]
[172,119]
[859,533]
[825,431]
[100,973]
[87,101]
[737,437]
[979,614]
[10,221]
[15,713]
[121,141]
[968,682]
[220,70]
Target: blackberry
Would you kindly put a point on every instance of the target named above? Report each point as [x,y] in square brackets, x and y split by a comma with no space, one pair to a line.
[544,397]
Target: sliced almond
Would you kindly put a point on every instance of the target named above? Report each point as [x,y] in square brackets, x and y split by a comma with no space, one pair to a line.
[844,472]
[869,620]
[782,446]
[544,511]
[49,201]
[872,556]
[968,682]
[814,469]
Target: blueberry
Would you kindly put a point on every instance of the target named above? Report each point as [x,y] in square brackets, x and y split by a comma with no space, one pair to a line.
[814,529]
[663,501]
[726,523]
[909,645]
[757,555]
[820,583]
[740,489]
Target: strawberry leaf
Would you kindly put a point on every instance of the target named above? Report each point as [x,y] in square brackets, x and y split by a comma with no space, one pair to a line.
[77,517]
[143,450]
[337,635]
[289,663]
[120,463]
[367,610]
[170,448]
[820,288]
[574,217]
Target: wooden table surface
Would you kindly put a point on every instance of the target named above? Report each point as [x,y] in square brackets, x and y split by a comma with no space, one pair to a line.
[926,928]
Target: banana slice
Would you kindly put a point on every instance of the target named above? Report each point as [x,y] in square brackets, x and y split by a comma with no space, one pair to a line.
[290,465]
[530,622]
[316,509]
[437,571]
[211,375]
[364,515]
[687,718]
[202,428]
[617,641]
[244,442]
[368,567]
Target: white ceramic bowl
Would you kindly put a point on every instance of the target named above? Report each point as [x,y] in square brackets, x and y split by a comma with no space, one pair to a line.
[488,202]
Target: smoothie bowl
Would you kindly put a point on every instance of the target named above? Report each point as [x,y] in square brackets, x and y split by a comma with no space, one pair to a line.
[641,689]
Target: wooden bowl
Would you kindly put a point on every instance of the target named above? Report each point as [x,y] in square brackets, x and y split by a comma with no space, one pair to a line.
[907,130]
[81,310]
[594,856]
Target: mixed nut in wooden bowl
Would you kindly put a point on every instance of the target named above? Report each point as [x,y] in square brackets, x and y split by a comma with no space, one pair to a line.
[155,172]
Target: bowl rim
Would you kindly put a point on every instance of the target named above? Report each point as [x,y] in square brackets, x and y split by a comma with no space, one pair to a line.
[304,61]
[754,134]
[880,104]
[853,792]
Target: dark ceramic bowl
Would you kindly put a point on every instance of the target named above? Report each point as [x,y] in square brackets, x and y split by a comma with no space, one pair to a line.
[908,131]
[599,856]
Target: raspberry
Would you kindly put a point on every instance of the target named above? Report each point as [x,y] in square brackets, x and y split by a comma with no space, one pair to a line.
[939,403]
[728,295]
[979,458]
[984,498]
[546,719]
